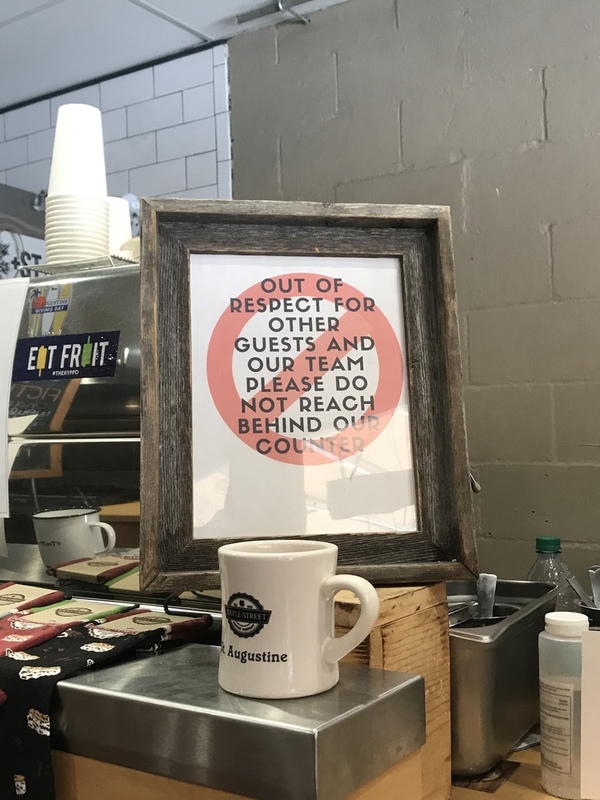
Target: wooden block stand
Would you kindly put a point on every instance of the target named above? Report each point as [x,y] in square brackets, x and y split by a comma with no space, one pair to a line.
[411,635]
[78,778]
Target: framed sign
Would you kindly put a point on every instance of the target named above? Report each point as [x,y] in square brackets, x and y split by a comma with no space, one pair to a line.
[301,378]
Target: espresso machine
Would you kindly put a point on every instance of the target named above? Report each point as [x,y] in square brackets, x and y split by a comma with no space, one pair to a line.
[74,413]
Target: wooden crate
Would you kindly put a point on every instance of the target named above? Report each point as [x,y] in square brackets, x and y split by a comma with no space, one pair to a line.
[411,635]
[125,519]
[78,778]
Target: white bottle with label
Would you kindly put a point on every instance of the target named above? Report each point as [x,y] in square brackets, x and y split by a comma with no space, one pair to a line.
[560,703]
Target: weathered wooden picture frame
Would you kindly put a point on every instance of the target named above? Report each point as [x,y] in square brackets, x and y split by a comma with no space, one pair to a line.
[183,239]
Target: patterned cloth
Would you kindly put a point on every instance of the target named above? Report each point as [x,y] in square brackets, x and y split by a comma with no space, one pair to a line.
[28,679]
[13,597]
[20,631]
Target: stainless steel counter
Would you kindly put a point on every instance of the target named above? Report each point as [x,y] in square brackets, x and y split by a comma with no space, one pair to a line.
[166,715]
[24,565]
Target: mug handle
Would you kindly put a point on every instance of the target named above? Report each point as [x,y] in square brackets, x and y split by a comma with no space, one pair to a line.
[110,535]
[336,648]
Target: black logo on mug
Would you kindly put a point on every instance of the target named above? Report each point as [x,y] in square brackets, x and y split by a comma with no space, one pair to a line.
[245,615]
[72,611]
[151,619]
[9,599]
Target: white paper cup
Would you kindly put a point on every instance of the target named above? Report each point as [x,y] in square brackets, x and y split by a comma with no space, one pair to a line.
[78,165]
[77,243]
[72,233]
[71,257]
[119,223]
[66,199]
[76,228]
[80,237]
[96,248]
[77,232]
[78,212]
[73,200]
[76,204]
[56,215]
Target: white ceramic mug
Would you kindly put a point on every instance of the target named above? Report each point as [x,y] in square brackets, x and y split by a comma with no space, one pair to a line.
[278,617]
[66,534]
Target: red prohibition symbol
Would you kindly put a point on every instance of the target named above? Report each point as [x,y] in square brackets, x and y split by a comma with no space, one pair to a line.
[359,316]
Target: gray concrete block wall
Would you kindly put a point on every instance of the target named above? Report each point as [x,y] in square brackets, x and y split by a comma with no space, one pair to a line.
[156,122]
[489,107]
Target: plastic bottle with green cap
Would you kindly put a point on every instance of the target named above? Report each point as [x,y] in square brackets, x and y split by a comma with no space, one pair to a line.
[550,568]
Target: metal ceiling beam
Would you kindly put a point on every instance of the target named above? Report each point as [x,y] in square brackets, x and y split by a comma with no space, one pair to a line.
[29,13]
[168,18]
[275,7]
[20,212]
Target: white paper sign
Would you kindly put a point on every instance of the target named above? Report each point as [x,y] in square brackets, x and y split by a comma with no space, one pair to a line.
[590,715]
[13,449]
[301,419]
[12,302]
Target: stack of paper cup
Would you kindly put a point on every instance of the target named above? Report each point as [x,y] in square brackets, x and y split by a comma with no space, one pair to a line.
[77,220]
[119,226]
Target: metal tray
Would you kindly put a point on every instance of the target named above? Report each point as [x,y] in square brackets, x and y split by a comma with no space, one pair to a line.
[494,672]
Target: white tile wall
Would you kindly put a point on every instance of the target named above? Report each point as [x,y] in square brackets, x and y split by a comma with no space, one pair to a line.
[162,178]
[198,103]
[223,137]
[184,72]
[201,170]
[118,183]
[186,139]
[161,112]
[127,89]
[219,56]
[166,131]
[39,145]
[31,118]
[135,151]
[204,193]
[32,177]
[13,153]
[114,124]
[224,180]
[221,89]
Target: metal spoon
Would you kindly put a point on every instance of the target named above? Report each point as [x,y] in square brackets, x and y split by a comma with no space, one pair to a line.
[580,591]
[594,573]
[486,595]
